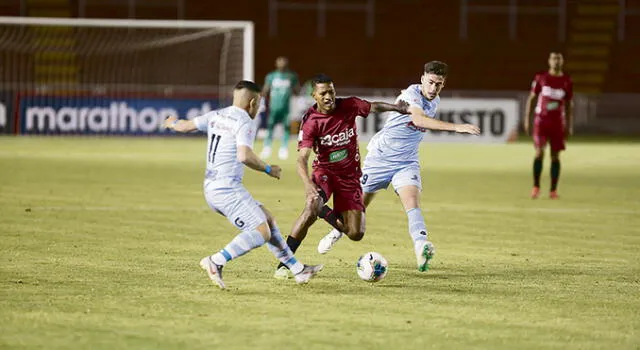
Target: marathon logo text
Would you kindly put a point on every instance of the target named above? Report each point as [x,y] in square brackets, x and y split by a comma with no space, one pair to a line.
[113,117]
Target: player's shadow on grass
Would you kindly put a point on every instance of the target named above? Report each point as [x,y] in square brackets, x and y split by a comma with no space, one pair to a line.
[464,282]
[508,272]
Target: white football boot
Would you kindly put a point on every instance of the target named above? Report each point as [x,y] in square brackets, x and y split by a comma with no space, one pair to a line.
[213,270]
[327,242]
[424,253]
[307,273]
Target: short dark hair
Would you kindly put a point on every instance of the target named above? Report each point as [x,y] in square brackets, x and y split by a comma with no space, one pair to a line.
[437,68]
[321,79]
[249,85]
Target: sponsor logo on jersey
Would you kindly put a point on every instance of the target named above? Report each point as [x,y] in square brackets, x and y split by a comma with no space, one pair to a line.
[278,83]
[225,123]
[339,139]
[337,156]
[553,105]
[556,94]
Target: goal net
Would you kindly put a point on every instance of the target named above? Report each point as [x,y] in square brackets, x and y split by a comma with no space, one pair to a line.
[89,75]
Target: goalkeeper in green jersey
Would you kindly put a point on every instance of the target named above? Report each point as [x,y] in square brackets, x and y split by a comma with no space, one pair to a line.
[280,86]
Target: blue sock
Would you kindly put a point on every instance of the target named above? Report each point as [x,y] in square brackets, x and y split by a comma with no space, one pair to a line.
[417,228]
[282,252]
[239,246]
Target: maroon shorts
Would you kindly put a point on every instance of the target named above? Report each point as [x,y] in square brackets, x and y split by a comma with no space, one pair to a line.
[346,190]
[552,132]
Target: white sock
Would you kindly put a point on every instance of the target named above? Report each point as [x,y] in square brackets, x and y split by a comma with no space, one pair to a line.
[239,246]
[417,227]
[282,252]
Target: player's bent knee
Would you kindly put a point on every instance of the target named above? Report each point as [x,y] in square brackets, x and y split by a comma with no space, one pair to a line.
[355,232]
[271,221]
[264,230]
[355,235]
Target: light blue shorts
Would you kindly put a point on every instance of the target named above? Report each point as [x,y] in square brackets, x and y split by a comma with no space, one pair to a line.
[237,205]
[378,173]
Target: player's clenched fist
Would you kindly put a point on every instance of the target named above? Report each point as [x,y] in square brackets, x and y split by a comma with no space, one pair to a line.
[468,129]
[275,171]
[403,106]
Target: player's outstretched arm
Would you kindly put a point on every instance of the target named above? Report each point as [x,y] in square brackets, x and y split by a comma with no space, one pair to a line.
[528,109]
[247,157]
[423,121]
[381,107]
[179,125]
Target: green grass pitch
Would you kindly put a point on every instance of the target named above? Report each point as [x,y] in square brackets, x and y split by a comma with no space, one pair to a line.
[101,239]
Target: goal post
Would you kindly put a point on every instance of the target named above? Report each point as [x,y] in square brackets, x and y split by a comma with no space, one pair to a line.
[121,65]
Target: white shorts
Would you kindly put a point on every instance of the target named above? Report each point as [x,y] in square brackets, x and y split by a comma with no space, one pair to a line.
[237,205]
[378,173]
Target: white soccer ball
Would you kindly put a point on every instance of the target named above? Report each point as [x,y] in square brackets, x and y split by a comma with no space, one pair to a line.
[372,267]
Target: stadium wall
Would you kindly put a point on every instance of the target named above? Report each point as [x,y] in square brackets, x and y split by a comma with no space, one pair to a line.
[408,33]
[359,51]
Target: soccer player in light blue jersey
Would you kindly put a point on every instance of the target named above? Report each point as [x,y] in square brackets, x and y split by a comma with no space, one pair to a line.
[392,157]
[230,134]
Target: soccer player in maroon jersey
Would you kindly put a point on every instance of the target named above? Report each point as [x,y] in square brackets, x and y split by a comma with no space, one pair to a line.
[553,121]
[329,129]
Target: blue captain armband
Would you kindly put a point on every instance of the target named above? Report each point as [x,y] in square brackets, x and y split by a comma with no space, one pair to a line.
[267,169]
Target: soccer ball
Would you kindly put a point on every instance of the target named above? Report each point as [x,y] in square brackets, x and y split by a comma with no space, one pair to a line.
[372,267]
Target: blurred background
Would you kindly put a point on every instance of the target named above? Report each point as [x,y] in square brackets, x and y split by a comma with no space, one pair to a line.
[371,48]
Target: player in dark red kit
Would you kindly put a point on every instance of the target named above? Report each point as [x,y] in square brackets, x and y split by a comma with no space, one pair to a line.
[329,129]
[553,121]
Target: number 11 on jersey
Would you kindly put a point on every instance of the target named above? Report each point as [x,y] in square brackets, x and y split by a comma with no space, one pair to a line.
[212,149]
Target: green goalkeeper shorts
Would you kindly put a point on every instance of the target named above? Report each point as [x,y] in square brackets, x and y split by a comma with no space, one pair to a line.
[278,116]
